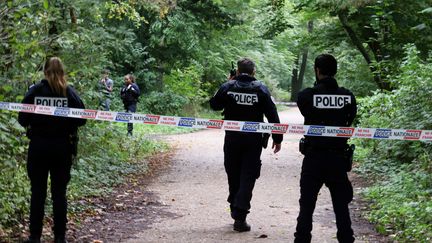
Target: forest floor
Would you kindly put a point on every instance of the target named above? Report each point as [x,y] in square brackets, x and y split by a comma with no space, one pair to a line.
[184,200]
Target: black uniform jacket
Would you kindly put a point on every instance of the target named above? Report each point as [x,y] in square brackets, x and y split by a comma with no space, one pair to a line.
[130,93]
[50,126]
[246,99]
[327,104]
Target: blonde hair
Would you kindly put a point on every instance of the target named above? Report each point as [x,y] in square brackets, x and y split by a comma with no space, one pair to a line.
[54,73]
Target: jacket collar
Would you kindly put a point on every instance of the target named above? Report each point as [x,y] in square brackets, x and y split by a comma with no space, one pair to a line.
[328,82]
[244,78]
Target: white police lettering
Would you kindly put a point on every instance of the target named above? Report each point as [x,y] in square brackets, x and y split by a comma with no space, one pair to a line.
[331,101]
[51,101]
[244,98]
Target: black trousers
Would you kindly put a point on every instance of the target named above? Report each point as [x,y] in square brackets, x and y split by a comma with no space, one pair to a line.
[132,109]
[242,162]
[48,156]
[324,168]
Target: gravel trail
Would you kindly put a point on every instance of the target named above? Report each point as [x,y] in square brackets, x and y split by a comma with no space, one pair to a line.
[194,190]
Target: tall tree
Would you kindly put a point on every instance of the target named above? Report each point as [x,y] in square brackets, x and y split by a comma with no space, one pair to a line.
[378,29]
[298,77]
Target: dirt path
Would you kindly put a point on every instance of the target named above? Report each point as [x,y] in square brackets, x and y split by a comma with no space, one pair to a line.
[194,191]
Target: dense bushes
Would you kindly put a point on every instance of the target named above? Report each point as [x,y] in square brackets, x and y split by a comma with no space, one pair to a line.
[106,154]
[183,93]
[401,198]
[14,186]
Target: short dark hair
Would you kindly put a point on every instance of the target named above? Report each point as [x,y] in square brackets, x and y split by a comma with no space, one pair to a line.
[327,64]
[246,65]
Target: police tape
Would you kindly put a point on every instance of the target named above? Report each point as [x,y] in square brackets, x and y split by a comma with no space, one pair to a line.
[285,103]
[243,126]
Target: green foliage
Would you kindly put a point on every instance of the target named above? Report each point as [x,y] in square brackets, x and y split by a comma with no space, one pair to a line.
[275,18]
[186,83]
[401,203]
[181,51]
[164,103]
[14,187]
[376,29]
[108,155]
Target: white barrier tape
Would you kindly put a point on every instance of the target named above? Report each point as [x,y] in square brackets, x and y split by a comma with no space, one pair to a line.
[286,103]
[243,126]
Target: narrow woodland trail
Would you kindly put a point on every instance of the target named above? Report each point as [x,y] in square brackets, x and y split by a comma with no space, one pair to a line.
[194,190]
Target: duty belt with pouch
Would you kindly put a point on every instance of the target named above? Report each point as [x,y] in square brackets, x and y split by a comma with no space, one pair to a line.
[74,143]
[303,146]
[349,155]
[265,139]
[347,152]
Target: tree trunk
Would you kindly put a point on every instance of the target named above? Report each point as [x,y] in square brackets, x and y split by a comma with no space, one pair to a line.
[298,78]
[382,84]
[295,80]
[304,58]
[73,18]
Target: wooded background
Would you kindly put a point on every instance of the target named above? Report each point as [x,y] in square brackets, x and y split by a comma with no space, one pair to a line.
[181,51]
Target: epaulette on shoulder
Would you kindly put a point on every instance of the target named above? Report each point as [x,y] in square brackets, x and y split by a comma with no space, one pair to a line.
[231,82]
[345,90]
[256,83]
[35,86]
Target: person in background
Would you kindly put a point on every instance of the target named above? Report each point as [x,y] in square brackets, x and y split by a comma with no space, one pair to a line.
[129,95]
[53,142]
[106,86]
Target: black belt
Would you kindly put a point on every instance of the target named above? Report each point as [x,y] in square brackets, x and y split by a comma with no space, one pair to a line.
[322,149]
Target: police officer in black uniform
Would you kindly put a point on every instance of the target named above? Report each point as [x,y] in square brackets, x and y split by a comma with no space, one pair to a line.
[52,144]
[244,98]
[326,159]
[129,95]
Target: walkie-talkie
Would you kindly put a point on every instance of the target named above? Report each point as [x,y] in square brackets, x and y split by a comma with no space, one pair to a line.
[233,71]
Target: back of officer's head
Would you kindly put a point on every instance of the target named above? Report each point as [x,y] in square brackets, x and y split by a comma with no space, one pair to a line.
[246,65]
[327,64]
[55,74]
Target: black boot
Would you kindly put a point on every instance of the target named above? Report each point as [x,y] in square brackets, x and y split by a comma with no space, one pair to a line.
[241,226]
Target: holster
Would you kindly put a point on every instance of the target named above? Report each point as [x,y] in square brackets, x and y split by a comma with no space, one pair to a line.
[265,140]
[28,132]
[74,143]
[303,146]
[347,153]
[349,156]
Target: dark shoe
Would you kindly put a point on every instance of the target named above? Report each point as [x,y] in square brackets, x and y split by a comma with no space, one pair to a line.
[32,240]
[302,238]
[241,226]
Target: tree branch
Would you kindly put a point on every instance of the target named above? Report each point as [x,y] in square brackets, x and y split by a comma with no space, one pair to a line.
[358,43]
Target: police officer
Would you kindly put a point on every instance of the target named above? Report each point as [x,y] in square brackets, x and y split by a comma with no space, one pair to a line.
[129,95]
[244,99]
[326,158]
[51,148]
